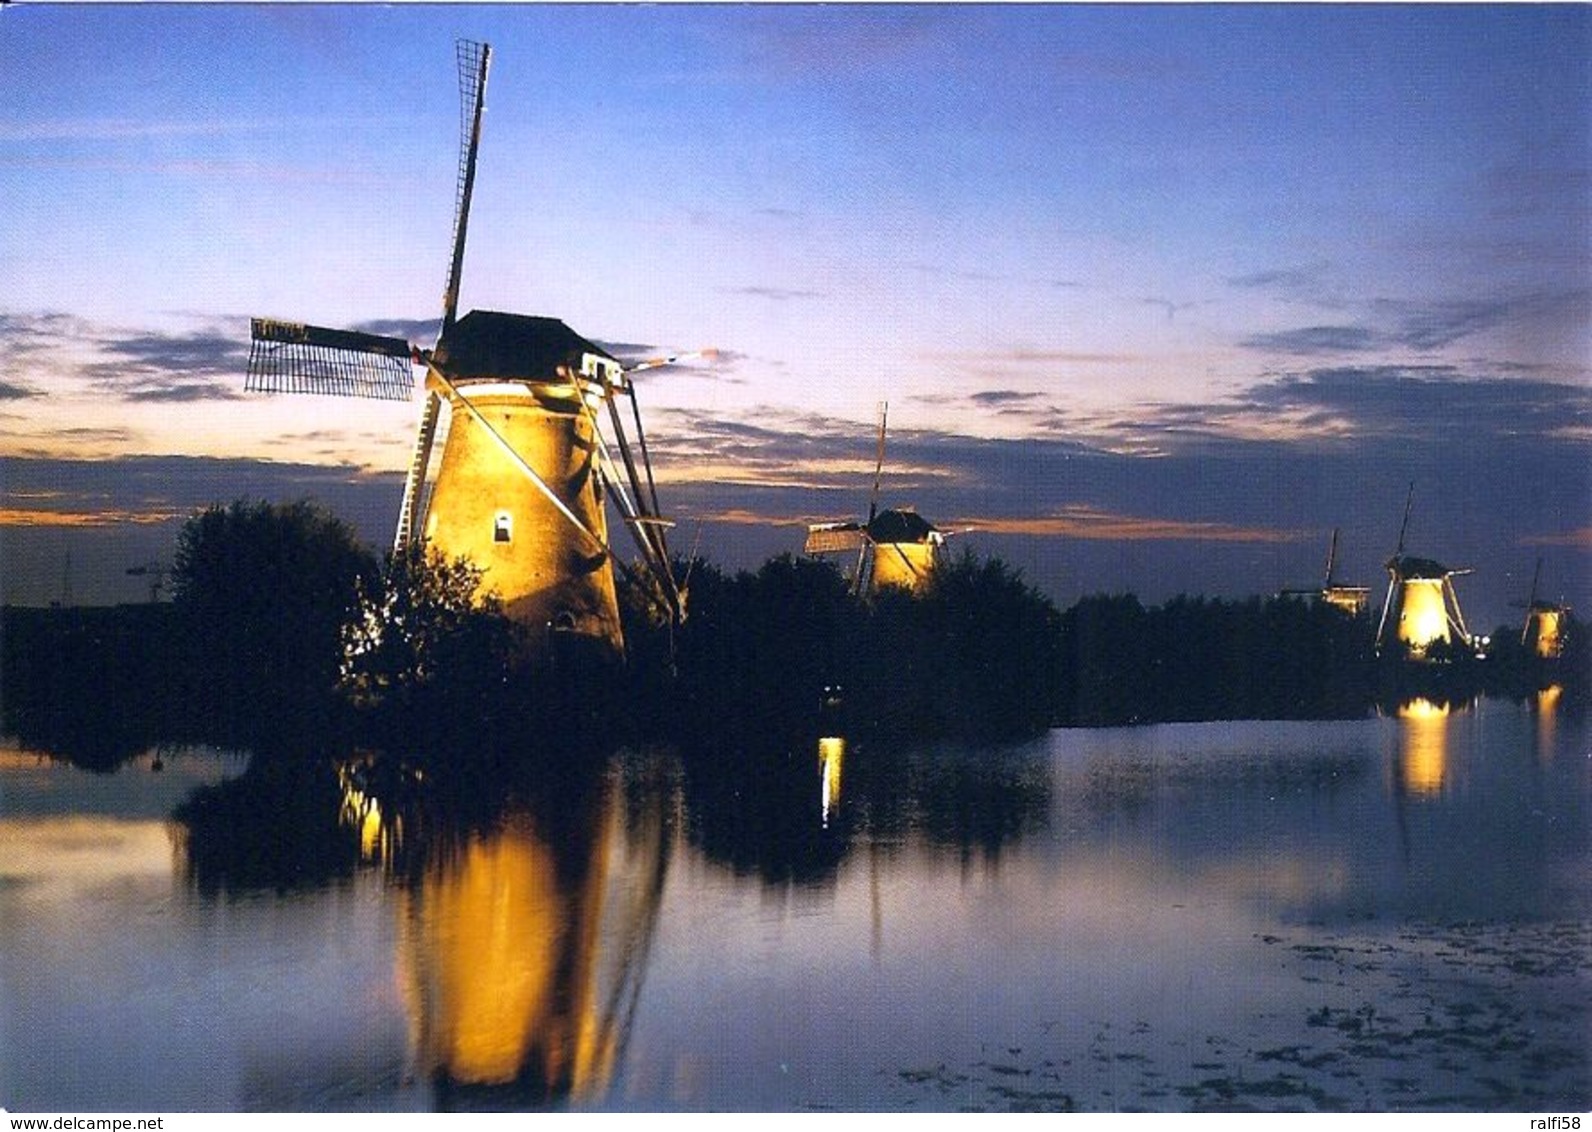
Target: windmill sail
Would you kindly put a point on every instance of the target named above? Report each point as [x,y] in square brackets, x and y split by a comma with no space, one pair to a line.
[474,61]
[291,357]
[833,538]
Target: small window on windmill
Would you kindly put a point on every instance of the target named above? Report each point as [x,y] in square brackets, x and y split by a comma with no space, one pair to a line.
[503,527]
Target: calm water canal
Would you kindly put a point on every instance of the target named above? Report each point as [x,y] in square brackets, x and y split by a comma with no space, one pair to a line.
[1383,914]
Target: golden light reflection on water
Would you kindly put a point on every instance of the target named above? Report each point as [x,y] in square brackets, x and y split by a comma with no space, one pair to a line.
[831,756]
[362,813]
[1423,745]
[1547,713]
[521,948]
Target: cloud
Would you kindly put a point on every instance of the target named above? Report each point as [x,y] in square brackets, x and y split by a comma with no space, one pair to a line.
[159,488]
[204,364]
[186,392]
[1288,280]
[180,353]
[1424,327]
[144,129]
[180,368]
[1169,306]
[887,41]
[1025,356]
[1003,398]
[778,294]
[61,517]
[234,171]
[1433,326]
[1580,539]
[1308,340]
[421,331]
[1422,406]
[24,335]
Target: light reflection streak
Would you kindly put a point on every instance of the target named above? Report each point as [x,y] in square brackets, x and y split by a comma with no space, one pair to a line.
[522,947]
[1547,715]
[1423,747]
[831,754]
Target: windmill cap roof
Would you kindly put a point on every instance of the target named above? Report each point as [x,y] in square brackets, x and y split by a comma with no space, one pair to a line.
[497,345]
[1408,566]
[899,525]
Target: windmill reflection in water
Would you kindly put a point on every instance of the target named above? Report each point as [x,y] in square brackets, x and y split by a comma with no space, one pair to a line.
[523,929]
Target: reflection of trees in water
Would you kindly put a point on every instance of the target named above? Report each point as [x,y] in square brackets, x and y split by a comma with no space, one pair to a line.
[965,797]
[763,812]
[759,812]
[278,826]
[527,903]
[84,684]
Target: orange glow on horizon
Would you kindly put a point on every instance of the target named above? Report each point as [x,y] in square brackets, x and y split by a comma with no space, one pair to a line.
[39,517]
[1083,522]
[1580,537]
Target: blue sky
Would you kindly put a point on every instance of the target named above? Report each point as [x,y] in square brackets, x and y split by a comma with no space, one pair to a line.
[1158,295]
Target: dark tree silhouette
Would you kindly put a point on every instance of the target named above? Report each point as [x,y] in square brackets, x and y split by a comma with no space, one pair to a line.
[429,658]
[263,591]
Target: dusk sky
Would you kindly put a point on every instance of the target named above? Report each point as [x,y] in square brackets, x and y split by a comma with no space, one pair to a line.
[1158,296]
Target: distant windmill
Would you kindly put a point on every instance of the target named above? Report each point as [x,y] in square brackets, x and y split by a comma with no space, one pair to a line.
[156,572]
[1543,632]
[894,547]
[526,467]
[1351,599]
[1421,610]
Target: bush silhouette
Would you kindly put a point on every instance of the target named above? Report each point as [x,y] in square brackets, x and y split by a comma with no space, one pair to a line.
[262,592]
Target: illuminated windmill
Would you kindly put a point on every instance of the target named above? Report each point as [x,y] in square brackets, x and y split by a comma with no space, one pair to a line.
[1544,630]
[894,547]
[526,467]
[1421,611]
[1351,599]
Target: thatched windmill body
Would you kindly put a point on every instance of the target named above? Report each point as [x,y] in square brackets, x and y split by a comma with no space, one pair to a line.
[527,467]
[1420,614]
[894,547]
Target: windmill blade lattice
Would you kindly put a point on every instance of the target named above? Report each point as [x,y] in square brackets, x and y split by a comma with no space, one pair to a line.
[832,538]
[291,357]
[474,60]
